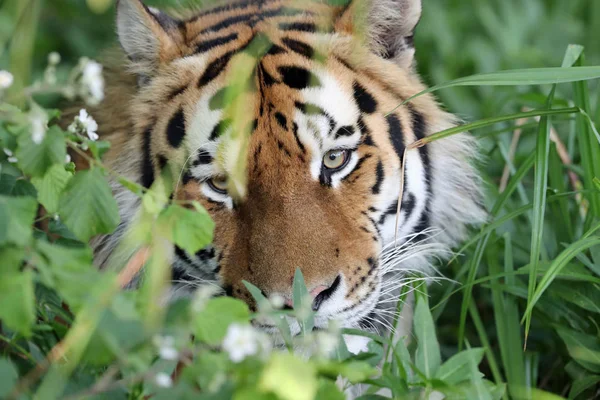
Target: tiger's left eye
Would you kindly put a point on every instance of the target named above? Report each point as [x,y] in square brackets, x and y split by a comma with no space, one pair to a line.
[335,160]
[218,184]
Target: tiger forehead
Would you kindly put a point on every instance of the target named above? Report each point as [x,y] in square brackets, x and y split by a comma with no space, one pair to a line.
[211,24]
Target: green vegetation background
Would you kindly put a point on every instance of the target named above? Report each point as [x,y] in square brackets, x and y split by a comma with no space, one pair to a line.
[455,38]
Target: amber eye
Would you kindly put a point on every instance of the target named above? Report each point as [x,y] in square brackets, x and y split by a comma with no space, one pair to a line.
[336,159]
[218,184]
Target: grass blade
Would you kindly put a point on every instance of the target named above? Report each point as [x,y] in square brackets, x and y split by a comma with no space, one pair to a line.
[539,200]
[557,265]
[481,245]
[588,145]
[531,76]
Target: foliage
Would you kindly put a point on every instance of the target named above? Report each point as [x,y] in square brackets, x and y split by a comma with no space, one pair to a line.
[530,277]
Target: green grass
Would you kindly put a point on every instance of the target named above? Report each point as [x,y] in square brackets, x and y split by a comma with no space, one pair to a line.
[524,290]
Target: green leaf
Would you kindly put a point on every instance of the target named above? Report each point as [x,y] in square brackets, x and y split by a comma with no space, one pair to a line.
[427,357]
[8,377]
[458,369]
[67,270]
[18,302]
[354,371]
[328,390]
[51,186]
[12,258]
[16,217]
[580,385]
[289,378]
[212,322]
[189,229]
[585,349]
[87,206]
[36,159]
[597,182]
[302,302]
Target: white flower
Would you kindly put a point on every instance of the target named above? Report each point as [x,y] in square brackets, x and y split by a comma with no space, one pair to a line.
[67,159]
[84,123]
[9,153]
[163,380]
[6,79]
[166,348]
[277,301]
[54,58]
[38,122]
[93,81]
[242,341]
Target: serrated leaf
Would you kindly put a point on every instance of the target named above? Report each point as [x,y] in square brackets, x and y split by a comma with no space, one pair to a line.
[458,369]
[36,159]
[427,357]
[189,229]
[8,377]
[87,206]
[289,378]
[212,322]
[16,217]
[18,302]
[51,186]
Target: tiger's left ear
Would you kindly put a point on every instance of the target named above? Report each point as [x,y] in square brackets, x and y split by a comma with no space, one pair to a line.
[387,26]
[149,37]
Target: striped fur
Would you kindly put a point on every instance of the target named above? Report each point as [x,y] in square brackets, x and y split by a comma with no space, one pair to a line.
[326,83]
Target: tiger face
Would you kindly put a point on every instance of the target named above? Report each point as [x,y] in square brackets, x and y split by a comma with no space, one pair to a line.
[323,156]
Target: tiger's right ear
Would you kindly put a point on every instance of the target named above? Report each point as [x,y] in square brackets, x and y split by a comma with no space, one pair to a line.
[149,37]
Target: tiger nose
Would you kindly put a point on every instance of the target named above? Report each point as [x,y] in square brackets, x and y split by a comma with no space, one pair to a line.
[319,294]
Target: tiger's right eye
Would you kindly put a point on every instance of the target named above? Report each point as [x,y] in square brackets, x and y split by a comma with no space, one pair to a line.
[334,160]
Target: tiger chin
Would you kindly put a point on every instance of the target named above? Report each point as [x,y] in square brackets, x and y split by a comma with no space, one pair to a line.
[323,159]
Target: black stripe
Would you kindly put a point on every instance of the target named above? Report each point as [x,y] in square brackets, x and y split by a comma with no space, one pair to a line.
[419,129]
[378,178]
[422,225]
[227,22]
[219,129]
[209,44]
[298,26]
[396,134]
[298,142]
[274,50]
[299,47]
[347,130]
[366,102]
[224,8]
[176,129]
[360,163]
[252,18]
[176,92]
[408,205]
[391,210]
[215,68]
[366,137]
[298,78]
[203,158]
[281,120]
[147,173]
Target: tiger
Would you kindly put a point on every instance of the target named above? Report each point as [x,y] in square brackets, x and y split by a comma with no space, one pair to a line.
[328,184]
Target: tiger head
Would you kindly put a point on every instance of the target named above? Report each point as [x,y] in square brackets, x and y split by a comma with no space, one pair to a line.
[322,156]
